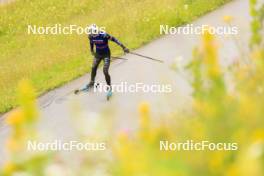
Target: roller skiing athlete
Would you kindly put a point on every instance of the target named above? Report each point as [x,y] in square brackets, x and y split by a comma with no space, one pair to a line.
[100,40]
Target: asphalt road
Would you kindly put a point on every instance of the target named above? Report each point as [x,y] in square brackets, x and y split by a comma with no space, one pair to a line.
[56,107]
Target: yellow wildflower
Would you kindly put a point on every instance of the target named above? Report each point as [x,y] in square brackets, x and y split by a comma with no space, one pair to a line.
[257,54]
[144,114]
[233,170]
[15,118]
[13,145]
[27,100]
[210,54]
[9,168]
[258,135]
[228,19]
[217,160]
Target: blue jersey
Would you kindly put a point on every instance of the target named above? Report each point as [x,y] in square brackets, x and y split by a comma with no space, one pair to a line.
[101,43]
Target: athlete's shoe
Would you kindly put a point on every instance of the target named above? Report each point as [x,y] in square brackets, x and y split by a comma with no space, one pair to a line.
[89,86]
[109,94]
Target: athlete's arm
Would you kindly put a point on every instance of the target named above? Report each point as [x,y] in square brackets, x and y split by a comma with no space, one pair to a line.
[91,45]
[117,42]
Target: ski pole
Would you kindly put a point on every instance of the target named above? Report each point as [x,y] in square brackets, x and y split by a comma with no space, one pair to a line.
[147,57]
[119,58]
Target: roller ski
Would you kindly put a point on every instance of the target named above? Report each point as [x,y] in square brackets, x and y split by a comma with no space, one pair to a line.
[87,88]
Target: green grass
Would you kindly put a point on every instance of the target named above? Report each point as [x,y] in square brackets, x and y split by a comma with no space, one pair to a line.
[50,61]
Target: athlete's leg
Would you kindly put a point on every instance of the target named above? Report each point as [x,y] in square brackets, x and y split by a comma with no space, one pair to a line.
[106,70]
[96,62]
